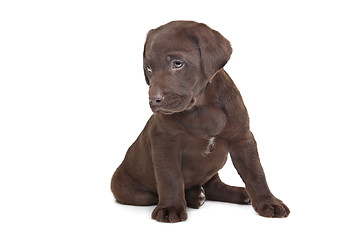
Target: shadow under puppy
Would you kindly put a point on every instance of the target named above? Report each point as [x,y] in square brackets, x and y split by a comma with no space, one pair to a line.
[199,117]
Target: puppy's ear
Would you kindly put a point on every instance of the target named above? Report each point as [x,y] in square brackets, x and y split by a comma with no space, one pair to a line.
[215,50]
[144,55]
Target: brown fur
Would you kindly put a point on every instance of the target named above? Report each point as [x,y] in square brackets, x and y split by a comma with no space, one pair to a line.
[199,117]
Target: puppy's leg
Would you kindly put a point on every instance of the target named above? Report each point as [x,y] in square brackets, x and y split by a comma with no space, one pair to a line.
[127,191]
[169,181]
[246,160]
[216,190]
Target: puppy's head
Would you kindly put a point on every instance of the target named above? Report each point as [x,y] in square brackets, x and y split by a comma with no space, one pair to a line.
[180,58]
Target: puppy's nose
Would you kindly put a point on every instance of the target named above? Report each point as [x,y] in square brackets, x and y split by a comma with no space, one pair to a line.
[156,99]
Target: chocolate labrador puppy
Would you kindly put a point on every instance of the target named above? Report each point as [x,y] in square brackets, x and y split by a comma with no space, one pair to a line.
[199,117]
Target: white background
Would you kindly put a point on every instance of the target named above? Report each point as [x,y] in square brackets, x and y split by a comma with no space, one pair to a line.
[73,99]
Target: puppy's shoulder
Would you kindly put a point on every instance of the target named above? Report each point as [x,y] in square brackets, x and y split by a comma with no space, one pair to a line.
[229,97]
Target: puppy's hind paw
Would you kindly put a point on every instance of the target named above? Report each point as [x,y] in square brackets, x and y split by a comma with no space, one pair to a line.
[195,197]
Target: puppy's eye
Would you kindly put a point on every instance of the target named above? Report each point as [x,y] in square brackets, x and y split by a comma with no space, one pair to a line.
[148,69]
[178,64]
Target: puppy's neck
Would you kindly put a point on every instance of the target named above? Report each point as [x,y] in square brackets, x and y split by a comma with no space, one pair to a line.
[208,94]
[201,98]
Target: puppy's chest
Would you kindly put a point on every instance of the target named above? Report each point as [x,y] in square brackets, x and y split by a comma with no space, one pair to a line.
[204,147]
[206,122]
[209,147]
[201,158]
[204,127]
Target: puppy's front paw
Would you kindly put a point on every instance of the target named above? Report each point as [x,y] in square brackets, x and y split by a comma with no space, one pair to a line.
[271,207]
[169,214]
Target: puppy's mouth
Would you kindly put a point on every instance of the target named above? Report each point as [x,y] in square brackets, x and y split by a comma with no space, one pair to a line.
[173,104]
